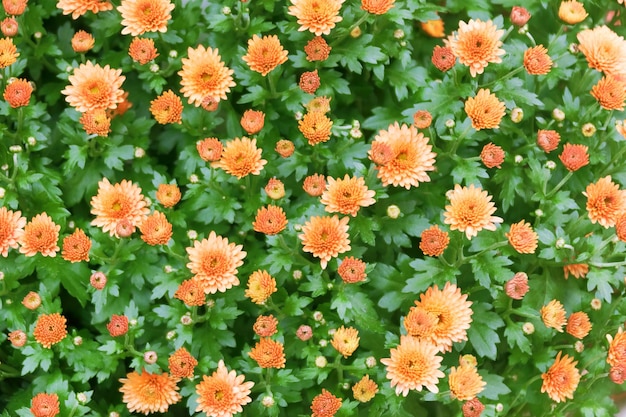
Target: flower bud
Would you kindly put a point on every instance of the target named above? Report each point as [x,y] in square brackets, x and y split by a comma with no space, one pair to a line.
[132,322]
[9,27]
[551,165]
[370,362]
[519,16]
[393,211]
[170,335]
[192,234]
[31,141]
[356,32]
[298,115]
[186,319]
[528,328]
[596,304]
[304,332]
[517,115]
[267,401]
[193,178]
[98,280]
[37,35]
[321,362]
[150,357]
[154,68]
[318,316]
[588,130]
[355,133]
[398,34]
[139,153]
[114,414]
[173,53]
[539,213]
[499,407]
[297,275]
[81,397]
[450,123]
[558,115]
[323,342]
[579,346]
[560,243]
[226,10]
[518,159]
[15,148]
[2,192]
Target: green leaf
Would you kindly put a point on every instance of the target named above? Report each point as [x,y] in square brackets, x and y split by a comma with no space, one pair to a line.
[468,171]
[482,334]
[429,271]
[495,387]
[516,337]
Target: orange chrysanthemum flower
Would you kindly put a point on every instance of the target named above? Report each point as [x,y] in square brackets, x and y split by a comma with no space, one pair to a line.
[620,227]
[317,49]
[214,262]
[365,389]
[117,204]
[561,380]
[492,155]
[167,108]
[191,293]
[315,127]
[380,153]
[205,75]
[168,195]
[9,27]
[118,325]
[8,52]
[45,405]
[268,353]
[270,220]
[346,340]
[325,404]
[422,119]
[285,148]
[522,237]
[314,185]
[617,348]
[156,229]
[41,235]
[316,16]
[578,325]
[548,140]
[50,329]
[76,247]
[620,127]
[275,189]
[465,382]
[17,93]
[574,157]
[452,311]
[210,149]
[352,270]
[604,50]
[241,157]
[17,338]
[434,241]
[14,7]
[252,121]
[149,393]
[377,6]
[485,110]
[537,61]
[11,229]
[553,315]
[572,12]
[477,44]
[309,82]
[82,41]
[32,300]
[181,363]
[517,287]
[261,285]
[434,28]
[264,54]
[470,210]
[419,322]
[223,393]
[610,93]
[473,408]
[319,104]
[412,156]
[93,87]
[347,195]
[96,122]
[141,16]
[78,8]
[325,237]
[413,364]
[617,373]
[443,58]
[577,270]
[265,326]
[142,50]
[519,16]
[605,202]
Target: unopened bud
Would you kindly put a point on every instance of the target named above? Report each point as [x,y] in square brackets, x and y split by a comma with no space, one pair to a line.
[528,328]
[31,141]
[150,357]
[355,133]
[15,148]
[168,269]
[370,362]
[154,68]
[193,178]
[450,123]
[356,32]
[499,407]
[318,316]
[551,165]
[139,152]
[114,414]
[539,213]
[297,275]
[186,319]
[517,115]
[560,243]
[596,304]
[77,341]
[579,346]
[558,115]
[170,335]
[321,362]
[298,115]
[226,10]
[192,234]
[588,130]
[573,48]
[398,34]
[297,227]
[323,342]
[393,211]
[173,53]
[132,322]
[518,159]
[81,397]
[37,35]
[267,401]
[2,192]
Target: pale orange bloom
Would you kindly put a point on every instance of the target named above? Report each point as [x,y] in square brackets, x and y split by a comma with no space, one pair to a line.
[17,338]
[617,373]
[422,119]
[352,270]
[9,27]
[365,389]
[465,382]
[420,322]
[117,204]
[76,247]
[167,108]
[577,270]
[617,348]
[492,155]
[78,8]
[8,52]
[149,393]
[204,76]
[168,195]
[517,287]
[347,195]
[470,210]
[316,16]
[252,121]
[325,237]
[345,340]
[142,50]
[578,324]
[45,405]
[572,12]
[522,237]
[94,87]
[141,16]
[40,235]
[485,110]
[98,280]
[11,229]
[377,6]
[314,185]
[443,58]
[214,262]
[620,126]
[264,54]
[537,61]
[412,156]
[548,140]
[265,326]
[605,202]
[315,127]
[477,44]
[309,82]
[96,122]
[270,220]
[620,227]
[275,189]
[17,93]
[434,28]
[519,16]
[434,241]
[210,149]
[319,104]
[181,364]
[121,107]
[191,293]
[223,393]
[380,153]
[156,229]
[268,353]
[413,365]
[118,325]
[317,49]
[325,404]
[32,300]
[241,157]
[610,93]
[285,148]
[14,7]
[82,41]
[574,157]
[553,315]
[561,380]
[604,50]
[261,285]
[50,329]
[472,408]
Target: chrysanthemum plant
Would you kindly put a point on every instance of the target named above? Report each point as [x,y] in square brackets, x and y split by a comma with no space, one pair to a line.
[350,208]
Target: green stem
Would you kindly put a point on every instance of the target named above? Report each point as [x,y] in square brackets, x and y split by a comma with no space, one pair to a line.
[341,38]
[617,157]
[458,140]
[559,185]
[559,33]
[523,391]
[268,380]
[271,85]
[463,258]
[607,264]
[505,76]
